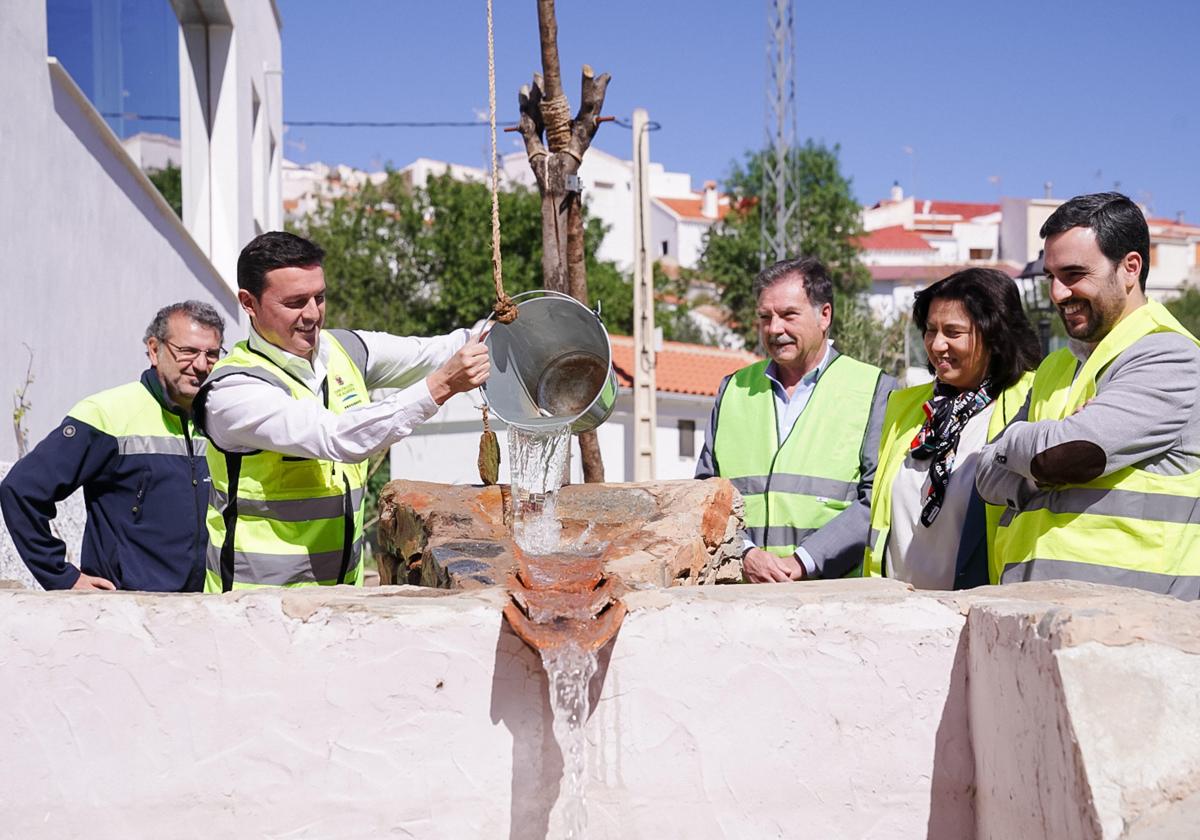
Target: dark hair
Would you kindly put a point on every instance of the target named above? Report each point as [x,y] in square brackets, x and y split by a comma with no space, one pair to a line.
[271,250]
[818,285]
[197,310]
[994,305]
[1119,224]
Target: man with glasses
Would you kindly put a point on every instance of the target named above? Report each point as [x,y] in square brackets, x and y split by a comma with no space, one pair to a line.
[145,480]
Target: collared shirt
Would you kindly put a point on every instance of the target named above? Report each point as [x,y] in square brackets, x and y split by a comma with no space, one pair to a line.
[787,411]
[244,414]
[789,408]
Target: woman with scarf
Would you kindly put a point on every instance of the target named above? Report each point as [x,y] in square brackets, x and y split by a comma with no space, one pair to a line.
[929,527]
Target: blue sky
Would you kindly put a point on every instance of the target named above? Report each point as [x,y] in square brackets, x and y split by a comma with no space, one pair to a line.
[1084,94]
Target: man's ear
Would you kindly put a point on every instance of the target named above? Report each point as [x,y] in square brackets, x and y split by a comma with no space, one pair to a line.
[826,316]
[247,301]
[1132,265]
[152,350]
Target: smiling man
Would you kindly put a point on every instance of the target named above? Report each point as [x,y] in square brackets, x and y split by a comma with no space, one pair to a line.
[798,434]
[292,423]
[142,471]
[1101,483]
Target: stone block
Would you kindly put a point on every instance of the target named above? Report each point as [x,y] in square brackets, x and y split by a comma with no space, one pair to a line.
[656,533]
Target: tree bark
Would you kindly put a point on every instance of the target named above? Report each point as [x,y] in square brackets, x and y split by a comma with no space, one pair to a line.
[544,111]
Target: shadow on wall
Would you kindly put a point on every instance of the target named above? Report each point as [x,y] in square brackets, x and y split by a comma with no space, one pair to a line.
[952,788]
[164,221]
[521,701]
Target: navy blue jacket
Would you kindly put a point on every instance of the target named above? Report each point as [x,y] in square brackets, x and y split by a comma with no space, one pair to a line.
[145,484]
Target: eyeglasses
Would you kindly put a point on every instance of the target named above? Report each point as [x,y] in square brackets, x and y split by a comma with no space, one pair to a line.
[190,354]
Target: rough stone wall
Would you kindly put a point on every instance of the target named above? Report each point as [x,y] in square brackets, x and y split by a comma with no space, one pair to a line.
[1083,711]
[68,525]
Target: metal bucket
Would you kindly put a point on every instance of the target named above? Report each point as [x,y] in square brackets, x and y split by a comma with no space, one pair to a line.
[553,365]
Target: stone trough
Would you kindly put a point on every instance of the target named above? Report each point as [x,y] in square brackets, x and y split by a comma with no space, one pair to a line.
[828,709]
[842,709]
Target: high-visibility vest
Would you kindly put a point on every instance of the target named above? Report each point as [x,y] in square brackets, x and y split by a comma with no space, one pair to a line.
[792,489]
[1129,528]
[901,422]
[281,520]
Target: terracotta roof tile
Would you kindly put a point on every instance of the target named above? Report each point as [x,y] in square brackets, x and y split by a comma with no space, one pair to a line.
[693,208]
[894,238]
[682,368]
[965,209]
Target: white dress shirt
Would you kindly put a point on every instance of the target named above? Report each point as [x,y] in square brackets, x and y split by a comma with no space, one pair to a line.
[245,414]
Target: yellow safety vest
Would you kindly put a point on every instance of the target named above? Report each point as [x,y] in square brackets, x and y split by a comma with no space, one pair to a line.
[280,520]
[793,488]
[901,422]
[1129,528]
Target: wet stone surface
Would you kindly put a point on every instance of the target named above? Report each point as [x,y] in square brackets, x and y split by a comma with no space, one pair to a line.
[652,534]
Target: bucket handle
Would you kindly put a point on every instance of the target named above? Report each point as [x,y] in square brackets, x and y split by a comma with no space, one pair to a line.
[551,293]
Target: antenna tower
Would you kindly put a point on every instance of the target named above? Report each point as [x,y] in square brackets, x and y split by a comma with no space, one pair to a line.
[779,210]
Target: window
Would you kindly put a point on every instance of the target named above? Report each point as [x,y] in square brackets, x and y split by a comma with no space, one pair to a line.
[666,248]
[687,438]
[980,254]
[124,55]
[603,185]
[1153,255]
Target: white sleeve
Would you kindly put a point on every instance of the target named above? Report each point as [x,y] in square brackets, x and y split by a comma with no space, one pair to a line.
[397,361]
[244,414]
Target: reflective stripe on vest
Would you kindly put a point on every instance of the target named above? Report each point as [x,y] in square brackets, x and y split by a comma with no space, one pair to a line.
[138,421]
[791,490]
[901,422]
[278,520]
[1129,528]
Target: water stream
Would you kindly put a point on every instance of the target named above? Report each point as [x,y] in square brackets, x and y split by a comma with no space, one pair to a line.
[569,670]
[537,461]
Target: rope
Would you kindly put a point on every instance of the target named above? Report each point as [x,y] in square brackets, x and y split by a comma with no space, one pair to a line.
[505,309]
[556,115]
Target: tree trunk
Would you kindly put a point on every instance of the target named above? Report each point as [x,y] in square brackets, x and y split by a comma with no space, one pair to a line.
[545,111]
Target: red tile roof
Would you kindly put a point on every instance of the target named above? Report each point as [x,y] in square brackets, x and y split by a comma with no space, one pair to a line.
[1172,229]
[682,368]
[693,208]
[965,209]
[894,238]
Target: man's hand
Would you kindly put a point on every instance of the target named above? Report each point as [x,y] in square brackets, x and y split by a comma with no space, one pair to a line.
[764,567]
[93,582]
[466,369]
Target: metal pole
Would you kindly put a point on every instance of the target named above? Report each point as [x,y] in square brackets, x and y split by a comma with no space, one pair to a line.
[645,412]
[778,213]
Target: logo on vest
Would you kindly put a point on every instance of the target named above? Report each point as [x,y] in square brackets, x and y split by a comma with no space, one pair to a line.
[68,431]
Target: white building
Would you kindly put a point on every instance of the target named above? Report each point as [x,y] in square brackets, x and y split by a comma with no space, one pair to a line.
[445,448]
[909,243]
[306,186]
[84,276]
[153,151]
[678,213]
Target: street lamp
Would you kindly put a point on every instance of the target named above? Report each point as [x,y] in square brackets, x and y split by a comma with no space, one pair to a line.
[1036,297]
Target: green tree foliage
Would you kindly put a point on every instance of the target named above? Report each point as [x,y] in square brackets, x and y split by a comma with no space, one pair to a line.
[1186,308]
[412,260]
[169,182]
[827,226]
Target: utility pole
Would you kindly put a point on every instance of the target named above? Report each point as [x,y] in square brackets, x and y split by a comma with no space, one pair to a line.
[645,391]
[779,210]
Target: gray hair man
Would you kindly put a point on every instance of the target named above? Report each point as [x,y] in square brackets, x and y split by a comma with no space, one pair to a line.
[134,451]
[798,434]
